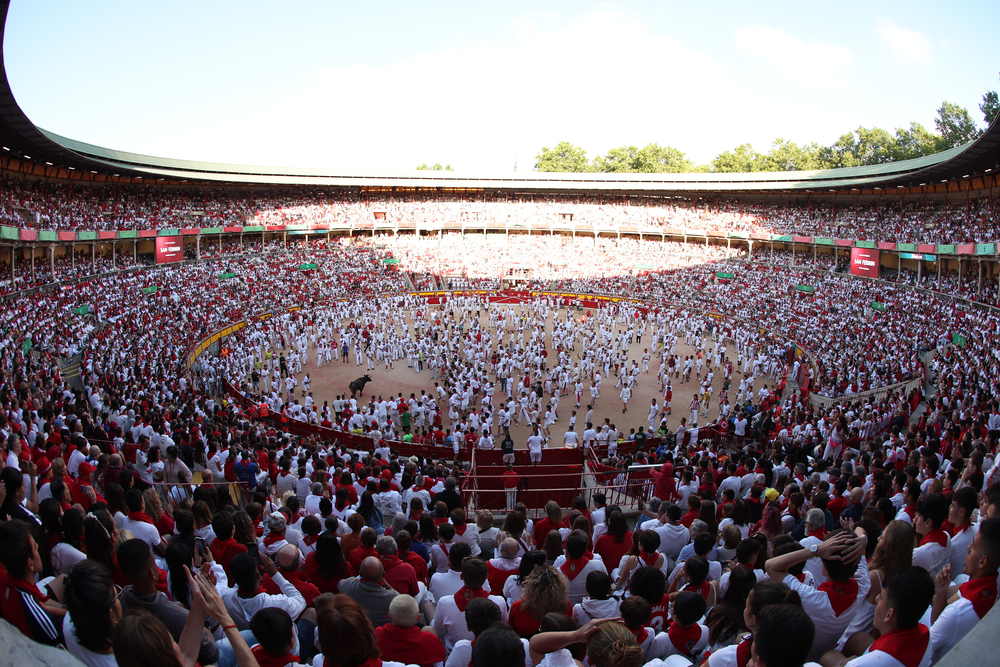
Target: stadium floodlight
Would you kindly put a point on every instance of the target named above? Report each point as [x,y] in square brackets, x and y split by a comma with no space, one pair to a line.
[26,157]
[5,148]
[49,163]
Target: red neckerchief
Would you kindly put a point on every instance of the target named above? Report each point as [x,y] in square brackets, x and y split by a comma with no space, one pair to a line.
[684,639]
[310,540]
[649,559]
[10,601]
[640,636]
[265,659]
[910,510]
[444,548]
[219,547]
[820,533]
[460,530]
[982,593]
[701,589]
[935,537]
[141,516]
[842,594]
[273,537]
[370,662]
[743,651]
[801,576]
[573,567]
[907,646]
[463,596]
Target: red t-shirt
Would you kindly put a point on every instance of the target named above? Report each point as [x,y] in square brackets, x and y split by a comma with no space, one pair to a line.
[610,551]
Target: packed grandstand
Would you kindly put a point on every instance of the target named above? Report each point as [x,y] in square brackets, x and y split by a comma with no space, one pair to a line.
[177,490]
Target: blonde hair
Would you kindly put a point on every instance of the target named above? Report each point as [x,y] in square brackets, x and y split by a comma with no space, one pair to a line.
[545,590]
[484,520]
[154,508]
[614,645]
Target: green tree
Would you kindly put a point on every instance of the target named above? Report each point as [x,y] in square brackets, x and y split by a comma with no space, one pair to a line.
[653,159]
[955,126]
[990,106]
[741,159]
[564,157]
[788,156]
[435,167]
[917,141]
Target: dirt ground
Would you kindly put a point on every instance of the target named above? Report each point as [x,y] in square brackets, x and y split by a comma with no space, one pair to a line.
[331,380]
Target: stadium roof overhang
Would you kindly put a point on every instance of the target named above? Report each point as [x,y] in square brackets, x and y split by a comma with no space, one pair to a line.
[23,140]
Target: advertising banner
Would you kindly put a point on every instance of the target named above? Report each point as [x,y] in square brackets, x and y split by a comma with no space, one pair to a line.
[864,262]
[169,249]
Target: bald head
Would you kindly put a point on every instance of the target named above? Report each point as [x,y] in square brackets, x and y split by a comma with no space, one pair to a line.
[371,569]
[288,557]
[857,494]
[116,460]
[508,548]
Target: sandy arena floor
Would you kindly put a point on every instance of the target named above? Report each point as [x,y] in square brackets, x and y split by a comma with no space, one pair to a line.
[330,380]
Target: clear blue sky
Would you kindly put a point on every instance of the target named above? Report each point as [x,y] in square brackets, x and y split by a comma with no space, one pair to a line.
[390,85]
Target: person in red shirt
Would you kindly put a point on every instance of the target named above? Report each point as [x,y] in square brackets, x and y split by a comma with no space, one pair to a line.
[288,564]
[401,576]
[694,509]
[617,541]
[553,521]
[82,488]
[400,639]
[510,482]
[326,566]
[367,548]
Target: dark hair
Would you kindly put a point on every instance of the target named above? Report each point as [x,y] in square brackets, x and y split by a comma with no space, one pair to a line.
[133,557]
[636,612]
[617,526]
[98,527]
[529,562]
[766,593]
[273,628]
[329,555]
[649,583]
[133,499]
[178,555]
[143,640]
[697,570]
[934,508]
[458,553]
[480,614]
[726,618]
[15,547]
[222,525]
[598,585]
[689,607]
[783,635]
[498,646]
[90,595]
[910,590]
[838,570]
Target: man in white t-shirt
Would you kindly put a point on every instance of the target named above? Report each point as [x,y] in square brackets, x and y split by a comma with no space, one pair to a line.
[535,442]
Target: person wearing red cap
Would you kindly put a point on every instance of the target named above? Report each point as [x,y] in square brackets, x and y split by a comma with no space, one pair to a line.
[82,488]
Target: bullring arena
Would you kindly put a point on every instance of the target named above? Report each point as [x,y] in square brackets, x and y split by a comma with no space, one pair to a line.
[285,398]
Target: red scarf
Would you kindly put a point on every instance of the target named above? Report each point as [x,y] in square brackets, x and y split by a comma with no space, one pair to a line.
[573,567]
[463,595]
[958,530]
[370,662]
[649,559]
[641,636]
[310,540]
[460,530]
[935,537]
[820,533]
[684,639]
[265,659]
[271,538]
[982,593]
[701,589]
[743,651]
[219,547]
[140,516]
[907,646]
[842,594]
[10,602]
[444,548]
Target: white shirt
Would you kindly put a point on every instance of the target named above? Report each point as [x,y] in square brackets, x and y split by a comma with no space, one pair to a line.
[957,619]
[146,532]
[829,626]
[449,622]
[243,609]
